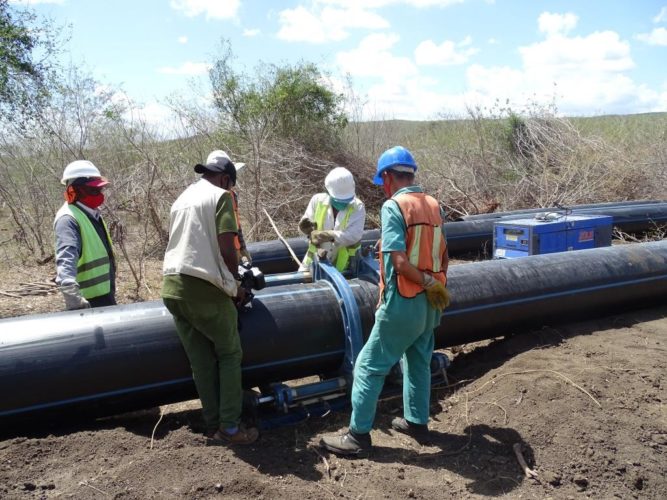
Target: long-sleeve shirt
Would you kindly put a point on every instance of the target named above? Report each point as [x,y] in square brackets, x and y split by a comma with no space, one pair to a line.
[68,246]
[352,234]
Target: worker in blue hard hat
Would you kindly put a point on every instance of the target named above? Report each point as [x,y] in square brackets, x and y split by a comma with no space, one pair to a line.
[334,219]
[413,275]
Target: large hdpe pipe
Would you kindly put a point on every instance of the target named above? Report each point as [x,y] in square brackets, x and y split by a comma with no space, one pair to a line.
[127,357]
[465,237]
[525,211]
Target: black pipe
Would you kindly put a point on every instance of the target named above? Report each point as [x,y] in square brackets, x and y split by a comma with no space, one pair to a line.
[107,360]
[470,236]
[523,211]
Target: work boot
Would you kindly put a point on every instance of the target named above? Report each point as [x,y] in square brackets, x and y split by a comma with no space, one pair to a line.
[417,431]
[348,444]
[244,435]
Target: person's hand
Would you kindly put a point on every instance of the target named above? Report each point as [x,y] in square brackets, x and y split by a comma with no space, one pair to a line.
[306,226]
[240,295]
[73,298]
[436,293]
[319,237]
[246,259]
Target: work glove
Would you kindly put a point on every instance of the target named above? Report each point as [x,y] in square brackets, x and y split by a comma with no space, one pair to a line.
[73,298]
[246,259]
[306,226]
[319,237]
[436,293]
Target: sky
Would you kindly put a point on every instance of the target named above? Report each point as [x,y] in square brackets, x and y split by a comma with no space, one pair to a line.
[407,59]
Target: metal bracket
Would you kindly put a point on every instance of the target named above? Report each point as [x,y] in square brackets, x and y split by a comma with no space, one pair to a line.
[324,270]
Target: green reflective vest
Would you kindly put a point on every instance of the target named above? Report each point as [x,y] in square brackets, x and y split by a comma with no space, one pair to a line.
[93,272]
[344,254]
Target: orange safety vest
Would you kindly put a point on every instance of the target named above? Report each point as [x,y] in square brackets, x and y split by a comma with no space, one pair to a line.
[425,243]
[235,204]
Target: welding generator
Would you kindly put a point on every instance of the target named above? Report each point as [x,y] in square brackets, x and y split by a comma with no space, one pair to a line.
[550,233]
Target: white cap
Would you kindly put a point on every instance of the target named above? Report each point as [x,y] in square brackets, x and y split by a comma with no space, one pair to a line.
[220,153]
[340,184]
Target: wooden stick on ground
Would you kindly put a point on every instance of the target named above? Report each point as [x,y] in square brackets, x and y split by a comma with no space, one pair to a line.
[283,240]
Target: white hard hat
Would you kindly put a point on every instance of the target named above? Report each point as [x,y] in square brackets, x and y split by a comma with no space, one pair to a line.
[78,169]
[340,184]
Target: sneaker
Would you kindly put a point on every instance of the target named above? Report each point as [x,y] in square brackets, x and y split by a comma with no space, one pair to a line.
[406,427]
[245,435]
[350,443]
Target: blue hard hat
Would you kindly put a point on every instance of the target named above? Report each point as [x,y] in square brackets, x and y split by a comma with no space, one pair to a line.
[394,157]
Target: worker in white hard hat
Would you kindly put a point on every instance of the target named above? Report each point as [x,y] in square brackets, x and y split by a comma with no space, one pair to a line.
[85,265]
[335,218]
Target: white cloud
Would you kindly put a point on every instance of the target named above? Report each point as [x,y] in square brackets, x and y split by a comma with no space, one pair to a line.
[187,68]
[556,24]
[213,9]
[36,2]
[320,21]
[373,57]
[662,16]
[584,74]
[376,4]
[183,39]
[598,52]
[656,37]
[326,24]
[251,32]
[448,53]
[492,41]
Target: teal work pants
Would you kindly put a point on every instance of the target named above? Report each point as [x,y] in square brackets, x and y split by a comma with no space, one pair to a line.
[210,337]
[403,328]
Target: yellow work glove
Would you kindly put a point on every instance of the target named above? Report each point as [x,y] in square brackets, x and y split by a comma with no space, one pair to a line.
[436,293]
[245,256]
[306,226]
[319,237]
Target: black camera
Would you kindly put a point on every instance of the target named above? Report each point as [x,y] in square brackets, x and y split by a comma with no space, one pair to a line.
[251,279]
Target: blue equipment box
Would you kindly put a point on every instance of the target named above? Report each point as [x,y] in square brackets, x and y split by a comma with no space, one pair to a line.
[558,233]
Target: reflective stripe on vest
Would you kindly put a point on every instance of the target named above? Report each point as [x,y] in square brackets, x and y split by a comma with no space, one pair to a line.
[93,271]
[345,253]
[425,243]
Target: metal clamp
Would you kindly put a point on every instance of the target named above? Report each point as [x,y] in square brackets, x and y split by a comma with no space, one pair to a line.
[324,270]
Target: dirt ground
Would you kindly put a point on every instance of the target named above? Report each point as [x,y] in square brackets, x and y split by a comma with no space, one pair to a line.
[585,401]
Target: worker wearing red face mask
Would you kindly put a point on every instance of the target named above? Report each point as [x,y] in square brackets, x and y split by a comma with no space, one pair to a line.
[85,265]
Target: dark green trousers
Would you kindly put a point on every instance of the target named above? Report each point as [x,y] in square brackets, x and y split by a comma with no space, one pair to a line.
[211,340]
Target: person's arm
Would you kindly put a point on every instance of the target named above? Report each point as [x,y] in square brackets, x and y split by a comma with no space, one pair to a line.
[68,249]
[228,252]
[354,230]
[225,223]
[308,215]
[404,268]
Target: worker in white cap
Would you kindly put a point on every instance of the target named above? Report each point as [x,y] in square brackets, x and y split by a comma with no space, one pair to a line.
[85,265]
[200,286]
[335,218]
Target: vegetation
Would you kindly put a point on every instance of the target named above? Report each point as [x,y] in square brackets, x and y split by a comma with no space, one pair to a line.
[26,63]
[288,125]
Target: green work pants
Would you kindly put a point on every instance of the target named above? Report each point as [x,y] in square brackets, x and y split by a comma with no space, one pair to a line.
[211,340]
[403,328]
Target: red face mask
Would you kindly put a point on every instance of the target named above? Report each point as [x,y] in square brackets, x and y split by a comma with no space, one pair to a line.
[92,200]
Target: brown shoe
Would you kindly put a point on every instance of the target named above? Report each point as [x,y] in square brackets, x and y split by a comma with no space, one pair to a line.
[245,435]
